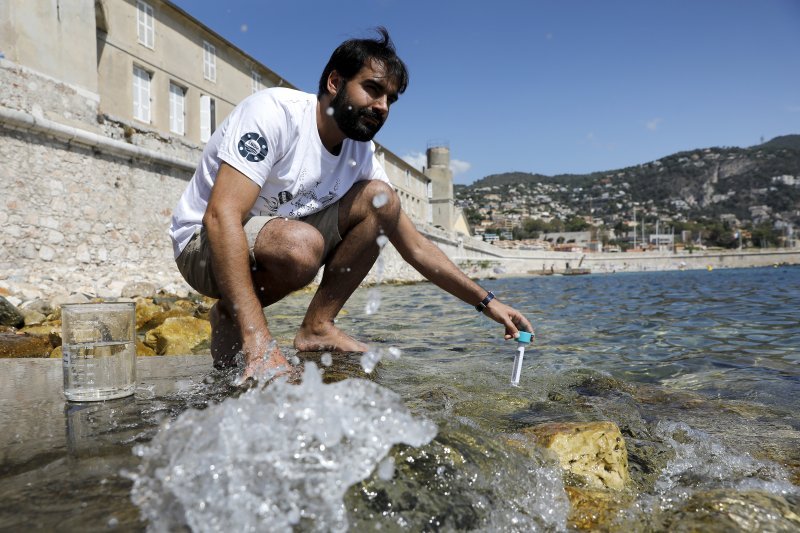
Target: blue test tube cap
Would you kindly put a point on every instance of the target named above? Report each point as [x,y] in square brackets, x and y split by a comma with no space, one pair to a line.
[524,337]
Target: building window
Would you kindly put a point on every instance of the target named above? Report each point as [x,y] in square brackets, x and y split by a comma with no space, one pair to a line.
[209,61]
[141,94]
[257,85]
[144,24]
[207,117]
[176,109]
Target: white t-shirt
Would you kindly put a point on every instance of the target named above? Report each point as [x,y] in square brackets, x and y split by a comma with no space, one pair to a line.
[271,137]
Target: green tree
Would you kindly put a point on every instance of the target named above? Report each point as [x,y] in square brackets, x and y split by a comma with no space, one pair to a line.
[764,235]
[576,223]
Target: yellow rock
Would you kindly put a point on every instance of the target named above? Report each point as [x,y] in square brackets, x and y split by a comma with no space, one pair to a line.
[143,350]
[160,317]
[145,311]
[178,335]
[595,451]
[24,345]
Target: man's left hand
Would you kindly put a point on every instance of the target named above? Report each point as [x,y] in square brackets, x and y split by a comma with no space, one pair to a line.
[512,319]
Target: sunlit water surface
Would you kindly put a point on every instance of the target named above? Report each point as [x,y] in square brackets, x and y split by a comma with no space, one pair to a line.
[701,371]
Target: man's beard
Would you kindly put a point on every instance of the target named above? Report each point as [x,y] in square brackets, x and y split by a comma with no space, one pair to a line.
[349,118]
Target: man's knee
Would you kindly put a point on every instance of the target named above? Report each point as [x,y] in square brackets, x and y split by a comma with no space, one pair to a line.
[291,252]
[384,202]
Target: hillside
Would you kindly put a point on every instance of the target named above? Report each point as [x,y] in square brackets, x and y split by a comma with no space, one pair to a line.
[744,186]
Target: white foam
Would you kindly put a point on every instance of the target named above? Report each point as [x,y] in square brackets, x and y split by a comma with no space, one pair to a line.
[273,458]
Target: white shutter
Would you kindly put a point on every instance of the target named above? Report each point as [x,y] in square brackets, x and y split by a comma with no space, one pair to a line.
[176,109]
[144,24]
[205,117]
[141,94]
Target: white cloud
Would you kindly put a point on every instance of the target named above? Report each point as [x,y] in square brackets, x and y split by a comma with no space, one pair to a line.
[652,125]
[419,160]
[416,160]
[244,28]
[459,167]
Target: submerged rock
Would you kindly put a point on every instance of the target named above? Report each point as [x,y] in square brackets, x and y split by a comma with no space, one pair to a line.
[594,451]
[730,510]
[596,509]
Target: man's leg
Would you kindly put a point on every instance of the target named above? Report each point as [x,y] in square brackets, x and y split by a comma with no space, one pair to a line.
[288,255]
[360,224]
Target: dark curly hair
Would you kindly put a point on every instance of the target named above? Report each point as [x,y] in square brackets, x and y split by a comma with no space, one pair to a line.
[350,56]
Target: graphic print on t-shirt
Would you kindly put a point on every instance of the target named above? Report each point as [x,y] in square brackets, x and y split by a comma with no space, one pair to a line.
[253,147]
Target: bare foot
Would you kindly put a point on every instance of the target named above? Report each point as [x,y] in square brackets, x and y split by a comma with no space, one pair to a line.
[326,337]
[225,340]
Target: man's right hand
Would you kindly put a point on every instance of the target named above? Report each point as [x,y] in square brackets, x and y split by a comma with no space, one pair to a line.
[263,359]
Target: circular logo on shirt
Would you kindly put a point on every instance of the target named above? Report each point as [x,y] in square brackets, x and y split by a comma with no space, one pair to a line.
[253,147]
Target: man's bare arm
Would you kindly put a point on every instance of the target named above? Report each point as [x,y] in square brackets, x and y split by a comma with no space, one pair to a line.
[432,263]
[232,197]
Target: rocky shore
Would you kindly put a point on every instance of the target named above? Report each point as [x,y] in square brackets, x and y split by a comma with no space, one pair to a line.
[170,318]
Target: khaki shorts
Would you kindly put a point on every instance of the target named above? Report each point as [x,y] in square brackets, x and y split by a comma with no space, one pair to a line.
[194,262]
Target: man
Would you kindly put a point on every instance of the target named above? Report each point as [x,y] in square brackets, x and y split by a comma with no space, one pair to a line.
[289,182]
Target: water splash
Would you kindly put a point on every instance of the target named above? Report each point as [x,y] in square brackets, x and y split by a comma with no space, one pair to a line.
[326,359]
[701,462]
[371,358]
[277,457]
[373,301]
[374,294]
[380,200]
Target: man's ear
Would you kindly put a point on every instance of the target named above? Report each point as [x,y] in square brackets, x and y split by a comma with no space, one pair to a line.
[335,82]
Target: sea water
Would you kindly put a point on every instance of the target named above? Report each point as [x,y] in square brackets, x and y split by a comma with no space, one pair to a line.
[699,369]
[97,371]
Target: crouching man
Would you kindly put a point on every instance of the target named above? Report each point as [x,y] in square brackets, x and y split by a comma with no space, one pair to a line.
[290,182]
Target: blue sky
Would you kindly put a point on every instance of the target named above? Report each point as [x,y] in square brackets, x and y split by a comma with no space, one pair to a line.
[550,87]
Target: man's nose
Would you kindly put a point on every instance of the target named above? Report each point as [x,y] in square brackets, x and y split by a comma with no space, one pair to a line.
[381,105]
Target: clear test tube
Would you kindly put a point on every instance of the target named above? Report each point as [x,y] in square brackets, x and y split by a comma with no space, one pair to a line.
[523,339]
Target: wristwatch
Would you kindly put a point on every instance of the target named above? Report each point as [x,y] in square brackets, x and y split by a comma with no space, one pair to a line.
[485,302]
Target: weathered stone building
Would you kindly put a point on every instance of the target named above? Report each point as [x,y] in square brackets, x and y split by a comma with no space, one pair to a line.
[105,106]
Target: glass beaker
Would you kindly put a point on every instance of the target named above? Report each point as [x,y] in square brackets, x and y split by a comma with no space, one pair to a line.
[99,350]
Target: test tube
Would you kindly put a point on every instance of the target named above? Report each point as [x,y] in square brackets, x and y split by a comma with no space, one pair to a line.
[523,339]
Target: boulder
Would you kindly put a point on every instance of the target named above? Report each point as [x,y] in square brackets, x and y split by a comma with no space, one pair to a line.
[24,345]
[593,451]
[144,350]
[160,317]
[10,315]
[37,304]
[49,330]
[178,335]
[138,288]
[146,310]
[33,317]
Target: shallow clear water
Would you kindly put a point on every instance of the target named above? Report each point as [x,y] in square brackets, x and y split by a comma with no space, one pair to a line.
[701,371]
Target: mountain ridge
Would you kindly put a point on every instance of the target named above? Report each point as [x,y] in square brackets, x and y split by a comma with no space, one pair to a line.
[755,184]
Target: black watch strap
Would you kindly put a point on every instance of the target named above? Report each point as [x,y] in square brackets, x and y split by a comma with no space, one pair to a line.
[485,302]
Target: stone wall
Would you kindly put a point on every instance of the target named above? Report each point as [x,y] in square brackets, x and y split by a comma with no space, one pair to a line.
[78,220]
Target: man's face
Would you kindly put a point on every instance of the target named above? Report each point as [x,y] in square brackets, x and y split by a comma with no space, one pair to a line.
[361,106]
